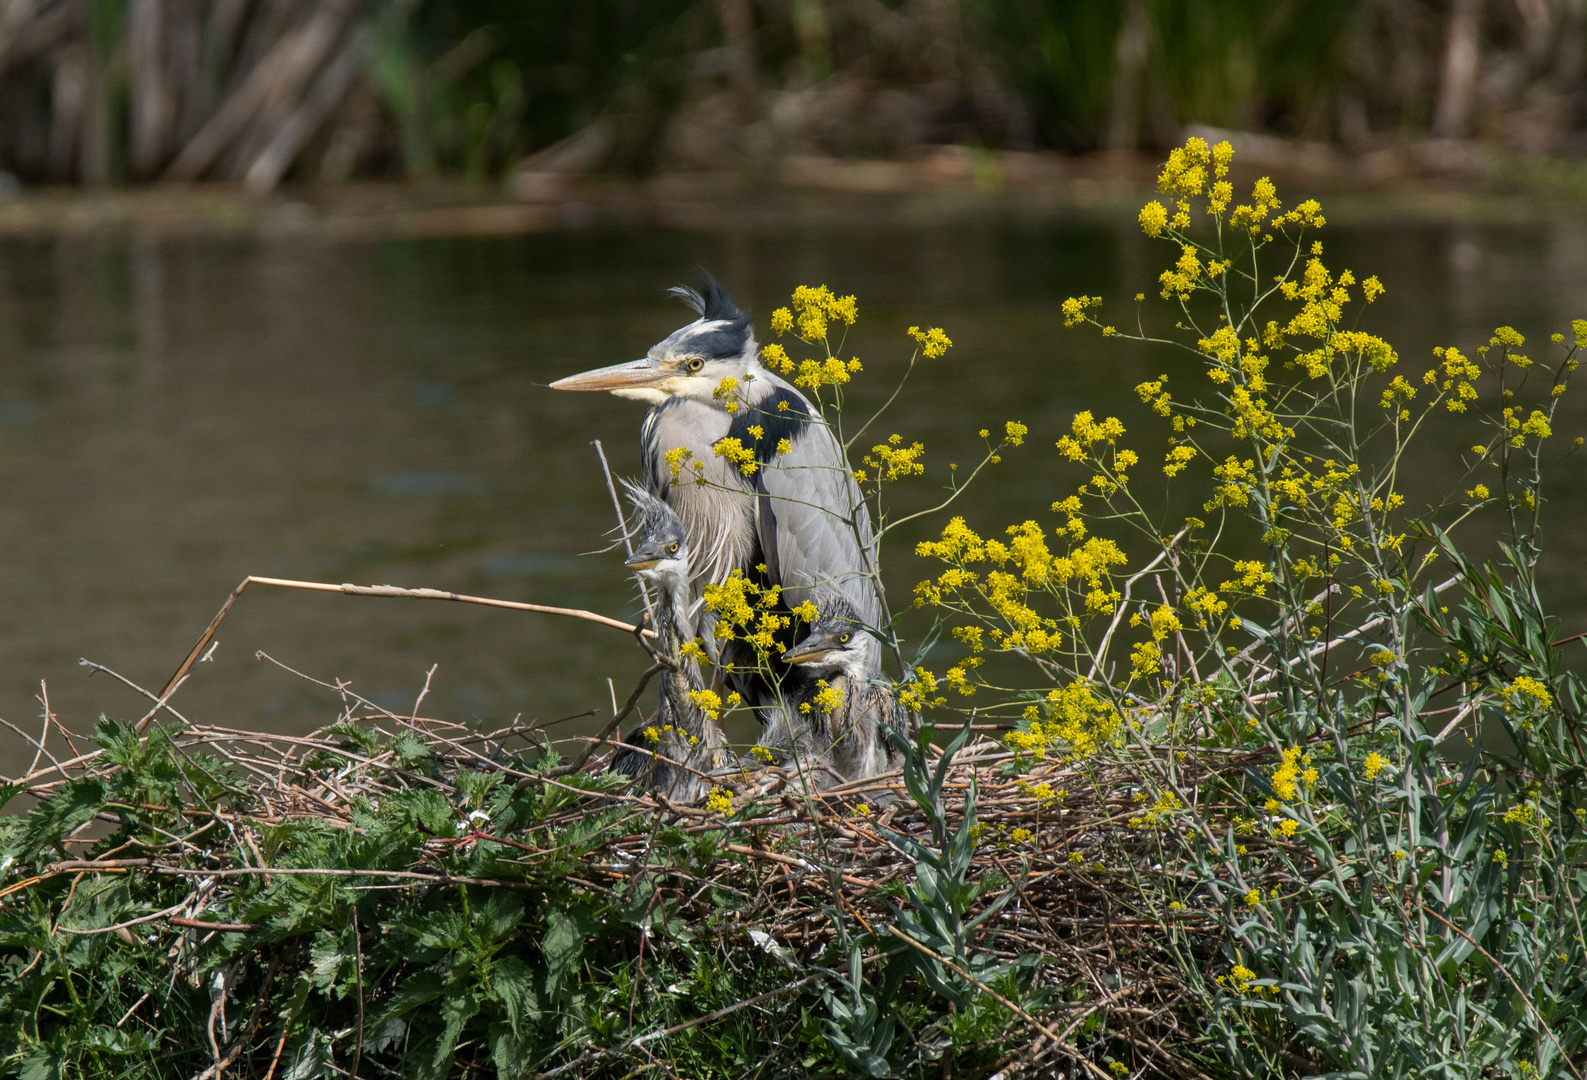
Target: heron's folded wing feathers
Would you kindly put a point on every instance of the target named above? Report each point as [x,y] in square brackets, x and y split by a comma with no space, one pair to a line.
[814,524]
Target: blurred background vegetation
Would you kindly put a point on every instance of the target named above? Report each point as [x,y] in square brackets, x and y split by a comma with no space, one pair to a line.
[266,91]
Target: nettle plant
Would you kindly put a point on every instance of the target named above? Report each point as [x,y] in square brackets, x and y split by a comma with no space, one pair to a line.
[1396,851]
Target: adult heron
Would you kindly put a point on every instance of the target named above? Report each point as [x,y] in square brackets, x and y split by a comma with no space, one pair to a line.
[786,508]
[681,743]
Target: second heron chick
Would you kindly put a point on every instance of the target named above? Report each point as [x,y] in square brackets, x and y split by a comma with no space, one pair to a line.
[844,707]
[682,741]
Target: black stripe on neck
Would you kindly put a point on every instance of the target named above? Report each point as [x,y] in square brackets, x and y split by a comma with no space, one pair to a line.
[775,422]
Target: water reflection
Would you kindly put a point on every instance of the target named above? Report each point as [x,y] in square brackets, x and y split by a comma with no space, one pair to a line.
[176,415]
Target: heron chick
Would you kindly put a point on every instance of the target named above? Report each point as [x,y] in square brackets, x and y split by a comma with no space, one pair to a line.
[681,741]
[840,718]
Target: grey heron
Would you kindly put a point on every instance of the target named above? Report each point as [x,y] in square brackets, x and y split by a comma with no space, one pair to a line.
[681,742]
[793,517]
[843,722]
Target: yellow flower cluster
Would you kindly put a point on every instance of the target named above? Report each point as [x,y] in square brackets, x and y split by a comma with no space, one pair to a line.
[1535,425]
[746,610]
[1252,216]
[1528,815]
[813,308]
[709,701]
[1237,478]
[720,801]
[1180,281]
[1043,792]
[775,357]
[1398,393]
[893,461]
[1167,805]
[1185,176]
[827,699]
[736,454]
[1526,693]
[1287,775]
[1074,308]
[1205,603]
[1153,394]
[829,372]
[726,392]
[677,457]
[915,693]
[933,342]
[1374,764]
[1085,432]
[1458,375]
[1178,458]
[1163,622]
[656,734]
[1074,716]
[1254,578]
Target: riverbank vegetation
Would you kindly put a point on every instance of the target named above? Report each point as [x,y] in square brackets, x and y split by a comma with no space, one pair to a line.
[324,90]
[1236,763]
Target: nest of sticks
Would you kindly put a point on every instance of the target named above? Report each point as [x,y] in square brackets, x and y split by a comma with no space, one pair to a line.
[1070,859]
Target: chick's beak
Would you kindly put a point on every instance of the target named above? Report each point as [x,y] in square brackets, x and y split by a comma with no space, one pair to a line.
[808,651]
[643,559]
[630,376]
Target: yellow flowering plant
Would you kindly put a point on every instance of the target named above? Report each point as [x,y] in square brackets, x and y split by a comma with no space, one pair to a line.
[1325,653]
[1300,618]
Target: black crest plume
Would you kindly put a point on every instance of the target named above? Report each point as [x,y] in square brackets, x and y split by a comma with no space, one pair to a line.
[711,301]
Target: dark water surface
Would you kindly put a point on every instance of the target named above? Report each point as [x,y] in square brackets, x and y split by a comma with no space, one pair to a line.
[175,415]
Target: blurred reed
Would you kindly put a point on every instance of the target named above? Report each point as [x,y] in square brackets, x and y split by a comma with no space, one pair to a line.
[259,91]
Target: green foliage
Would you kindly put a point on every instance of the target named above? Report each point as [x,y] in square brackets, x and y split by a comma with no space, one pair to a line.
[510,955]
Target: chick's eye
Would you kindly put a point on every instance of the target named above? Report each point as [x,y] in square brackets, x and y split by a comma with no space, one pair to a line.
[672,549]
[843,639]
[695,363]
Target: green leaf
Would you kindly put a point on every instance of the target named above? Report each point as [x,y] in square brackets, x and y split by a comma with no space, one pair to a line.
[62,812]
[512,982]
[561,947]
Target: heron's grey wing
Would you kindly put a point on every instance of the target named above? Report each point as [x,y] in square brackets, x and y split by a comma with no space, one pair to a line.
[814,528]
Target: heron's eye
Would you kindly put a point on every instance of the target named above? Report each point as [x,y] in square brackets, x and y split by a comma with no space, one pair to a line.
[843,639]
[695,363]
[672,549]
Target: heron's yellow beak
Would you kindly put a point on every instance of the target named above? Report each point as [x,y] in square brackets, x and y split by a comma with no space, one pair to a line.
[633,375]
[642,560]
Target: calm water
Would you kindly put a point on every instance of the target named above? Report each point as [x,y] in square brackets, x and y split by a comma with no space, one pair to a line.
[176,415]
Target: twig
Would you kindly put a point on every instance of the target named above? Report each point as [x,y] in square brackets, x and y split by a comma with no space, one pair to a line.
[151,695]
[213,1072]
[640,1040]
[382,590]
[1501,969]
[428,675]
[617,718]
[622,525]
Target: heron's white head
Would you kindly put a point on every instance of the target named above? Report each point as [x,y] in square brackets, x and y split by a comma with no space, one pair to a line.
[690,362]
